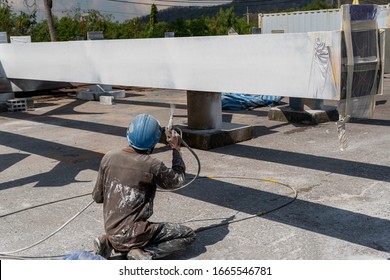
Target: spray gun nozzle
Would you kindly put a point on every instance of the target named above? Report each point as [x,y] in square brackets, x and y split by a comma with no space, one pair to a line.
[169,127]
[170,123]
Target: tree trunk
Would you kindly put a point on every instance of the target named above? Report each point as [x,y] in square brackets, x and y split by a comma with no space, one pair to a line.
[48,5]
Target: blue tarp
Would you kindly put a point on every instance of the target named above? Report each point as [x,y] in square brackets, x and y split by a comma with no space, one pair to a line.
[237,101]
[82,255]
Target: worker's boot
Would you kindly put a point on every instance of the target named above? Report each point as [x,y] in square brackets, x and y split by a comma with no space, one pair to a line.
[102,246]
[139,254]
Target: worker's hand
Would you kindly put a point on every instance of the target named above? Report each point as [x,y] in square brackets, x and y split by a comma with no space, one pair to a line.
[173,138]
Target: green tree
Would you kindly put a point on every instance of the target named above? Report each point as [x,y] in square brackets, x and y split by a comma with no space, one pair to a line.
[113,30]
[68,29]
[6,16]
[15,24]
[40,32]
[316,5]
[152,21]
[158,31]
[95,21]
[224,20]
[23,24]
[133,28]
[180,27]
[199,27]
[76,24]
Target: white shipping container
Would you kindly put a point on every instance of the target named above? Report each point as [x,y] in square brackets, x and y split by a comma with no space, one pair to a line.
[296,22]
[312,21]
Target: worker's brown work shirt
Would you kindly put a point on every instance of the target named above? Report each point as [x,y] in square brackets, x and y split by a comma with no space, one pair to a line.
[126,185]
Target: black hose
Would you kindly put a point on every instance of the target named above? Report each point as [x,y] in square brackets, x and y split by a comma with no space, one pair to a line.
[9,254]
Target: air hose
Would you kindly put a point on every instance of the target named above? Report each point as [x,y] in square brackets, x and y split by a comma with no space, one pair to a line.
[9,255]
[258,214]
[47,237]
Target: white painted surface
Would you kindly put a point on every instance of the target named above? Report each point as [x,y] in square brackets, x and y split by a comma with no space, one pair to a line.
[269,64]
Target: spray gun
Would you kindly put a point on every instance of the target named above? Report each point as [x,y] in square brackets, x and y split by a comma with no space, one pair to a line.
[169,130]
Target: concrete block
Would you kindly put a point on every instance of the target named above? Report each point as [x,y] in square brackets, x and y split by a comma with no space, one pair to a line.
[17,105]
[30,103]
[213,138]
[106,100]
[288,114]
[114,93]
[117,93]
[85,95]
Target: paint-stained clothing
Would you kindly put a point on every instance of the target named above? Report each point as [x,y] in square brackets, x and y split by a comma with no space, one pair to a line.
[126,185]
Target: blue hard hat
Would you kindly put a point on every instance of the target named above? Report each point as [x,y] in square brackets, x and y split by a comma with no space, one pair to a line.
[143,132]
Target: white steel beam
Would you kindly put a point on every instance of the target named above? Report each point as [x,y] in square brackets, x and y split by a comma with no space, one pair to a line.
[281,65]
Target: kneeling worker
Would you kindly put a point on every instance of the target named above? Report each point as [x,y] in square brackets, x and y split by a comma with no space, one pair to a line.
[126,185]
